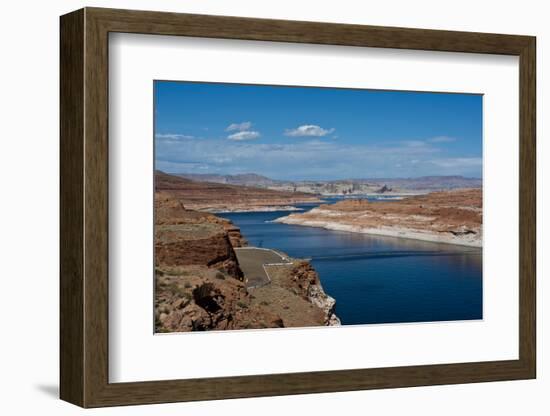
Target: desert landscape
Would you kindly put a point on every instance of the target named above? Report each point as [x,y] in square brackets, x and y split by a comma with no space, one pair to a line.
[373,186]
[453,217]
[219,197]
[199,282]
[291,206]
[208,278]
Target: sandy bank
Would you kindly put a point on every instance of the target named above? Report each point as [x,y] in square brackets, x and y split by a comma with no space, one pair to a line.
[448,238]
[452,217]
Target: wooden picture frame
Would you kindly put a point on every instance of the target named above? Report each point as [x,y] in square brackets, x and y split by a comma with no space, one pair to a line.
[84,207]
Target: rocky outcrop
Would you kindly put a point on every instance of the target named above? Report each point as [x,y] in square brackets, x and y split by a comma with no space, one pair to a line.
[306,280]
[170,210]
[384,189]
[184,237]
[199,283]
[234,234]
[197,298]
[176,246]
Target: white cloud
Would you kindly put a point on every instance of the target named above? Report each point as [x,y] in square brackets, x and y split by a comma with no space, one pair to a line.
[245,125]
[427,142]
[312,158]
[244,135]
[173,136]
[308,130]
[441,139]
[414,143]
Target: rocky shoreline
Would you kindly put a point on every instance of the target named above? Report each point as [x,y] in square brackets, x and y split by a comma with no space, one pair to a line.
[303,280]
[463,240]
[199,285]
[452,217]
[317,295]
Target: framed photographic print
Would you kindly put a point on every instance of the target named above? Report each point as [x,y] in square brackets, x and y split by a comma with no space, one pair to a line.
[255,207]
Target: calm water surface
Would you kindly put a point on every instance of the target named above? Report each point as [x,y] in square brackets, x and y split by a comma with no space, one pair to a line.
[378,279]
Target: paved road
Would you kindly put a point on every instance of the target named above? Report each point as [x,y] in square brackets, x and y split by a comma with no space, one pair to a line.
[252,260]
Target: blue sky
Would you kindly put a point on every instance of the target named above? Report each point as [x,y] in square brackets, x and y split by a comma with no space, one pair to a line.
[315,133]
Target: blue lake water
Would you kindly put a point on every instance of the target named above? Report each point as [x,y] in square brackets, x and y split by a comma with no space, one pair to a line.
[378,279]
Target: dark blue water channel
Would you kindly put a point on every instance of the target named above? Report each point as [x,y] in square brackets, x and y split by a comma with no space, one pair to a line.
[378,279]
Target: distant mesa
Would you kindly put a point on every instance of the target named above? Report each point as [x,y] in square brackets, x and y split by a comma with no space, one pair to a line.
[246,179]
[384,189]
[343,187]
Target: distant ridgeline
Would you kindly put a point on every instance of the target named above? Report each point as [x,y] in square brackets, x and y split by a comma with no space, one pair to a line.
[343,186]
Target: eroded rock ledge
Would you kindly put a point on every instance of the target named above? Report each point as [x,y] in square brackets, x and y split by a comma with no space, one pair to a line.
[199,284]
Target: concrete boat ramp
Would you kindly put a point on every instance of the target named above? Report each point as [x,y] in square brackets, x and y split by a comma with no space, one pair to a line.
[252,261]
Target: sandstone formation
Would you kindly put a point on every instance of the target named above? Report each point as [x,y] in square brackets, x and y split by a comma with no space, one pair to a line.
[305,280]
[450,217]
[217,197]
[199,284]
[199,298]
